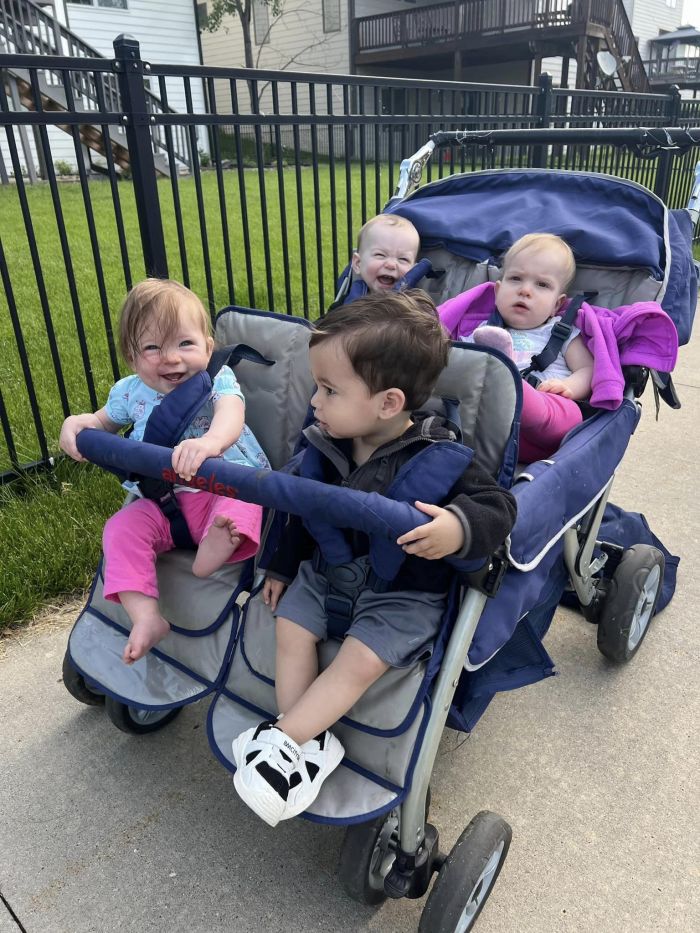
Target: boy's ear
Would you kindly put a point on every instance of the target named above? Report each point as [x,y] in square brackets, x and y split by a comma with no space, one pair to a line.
[210,345]
[355,263]
[393,402]
[560,301]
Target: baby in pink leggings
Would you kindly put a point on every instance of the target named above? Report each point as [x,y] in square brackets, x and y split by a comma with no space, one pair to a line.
[537,270]
[164,334]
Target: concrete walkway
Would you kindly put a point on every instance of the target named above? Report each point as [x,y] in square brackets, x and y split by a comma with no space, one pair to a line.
[596,770]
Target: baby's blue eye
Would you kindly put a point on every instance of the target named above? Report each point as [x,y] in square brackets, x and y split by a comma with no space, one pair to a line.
[150,348]
[186,343]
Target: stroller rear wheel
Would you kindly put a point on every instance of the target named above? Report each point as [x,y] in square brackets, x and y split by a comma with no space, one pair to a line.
[139,721]
[75,684]
[630,602]
[467,876]
[367,854]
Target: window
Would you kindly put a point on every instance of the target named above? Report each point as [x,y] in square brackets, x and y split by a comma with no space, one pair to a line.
[331,15]
[114,4]
[261,22]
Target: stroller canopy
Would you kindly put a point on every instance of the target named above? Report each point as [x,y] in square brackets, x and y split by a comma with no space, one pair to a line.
[607,222]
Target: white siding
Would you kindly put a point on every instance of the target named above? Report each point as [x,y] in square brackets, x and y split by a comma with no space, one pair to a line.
[165,30]
[167,34]
[651,17]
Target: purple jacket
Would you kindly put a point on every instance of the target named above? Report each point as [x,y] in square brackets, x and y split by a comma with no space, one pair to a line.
[640,334]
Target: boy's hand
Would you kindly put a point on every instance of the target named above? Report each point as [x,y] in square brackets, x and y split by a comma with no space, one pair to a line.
[189,455]
[271,592]
[443,536]
[556,387]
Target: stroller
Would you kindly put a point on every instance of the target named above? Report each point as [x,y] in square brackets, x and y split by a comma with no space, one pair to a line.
[222,640]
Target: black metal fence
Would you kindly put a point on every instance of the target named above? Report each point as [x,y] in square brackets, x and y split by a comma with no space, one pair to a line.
[290,166]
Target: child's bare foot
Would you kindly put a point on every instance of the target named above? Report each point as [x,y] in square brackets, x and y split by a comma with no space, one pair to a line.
[216,547]
[144,635]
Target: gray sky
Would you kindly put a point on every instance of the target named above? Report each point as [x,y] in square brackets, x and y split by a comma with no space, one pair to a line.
[691,13]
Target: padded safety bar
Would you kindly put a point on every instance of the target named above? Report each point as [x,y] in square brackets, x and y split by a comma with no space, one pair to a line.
[344,508]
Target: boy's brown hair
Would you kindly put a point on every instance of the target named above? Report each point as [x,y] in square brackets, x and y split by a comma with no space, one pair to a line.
[393,340]
[162,301]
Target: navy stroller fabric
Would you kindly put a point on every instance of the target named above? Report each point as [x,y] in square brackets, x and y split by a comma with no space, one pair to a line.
[606,221]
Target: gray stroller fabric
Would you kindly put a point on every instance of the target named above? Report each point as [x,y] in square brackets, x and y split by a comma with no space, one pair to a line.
[380,733]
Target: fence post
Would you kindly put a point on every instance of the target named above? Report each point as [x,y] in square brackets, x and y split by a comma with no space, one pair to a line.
[544,115]
[664,167]
[137,122]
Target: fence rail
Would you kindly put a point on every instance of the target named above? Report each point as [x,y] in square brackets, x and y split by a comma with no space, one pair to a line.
[298,162]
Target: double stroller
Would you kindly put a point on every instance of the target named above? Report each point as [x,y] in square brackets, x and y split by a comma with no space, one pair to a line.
[629,248]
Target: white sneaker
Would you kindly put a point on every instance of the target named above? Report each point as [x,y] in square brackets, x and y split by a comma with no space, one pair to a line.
[277,778]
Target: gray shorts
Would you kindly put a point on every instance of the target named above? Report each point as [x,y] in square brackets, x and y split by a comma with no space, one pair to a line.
[399,627]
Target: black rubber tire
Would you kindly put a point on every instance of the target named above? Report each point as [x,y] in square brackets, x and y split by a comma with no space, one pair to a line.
[367,855]
[74,682]
[139,721]
[630,602]
[467,876]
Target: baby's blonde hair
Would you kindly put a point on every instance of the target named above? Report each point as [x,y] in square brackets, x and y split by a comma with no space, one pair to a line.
[161,301]
[545,242]
[386,220]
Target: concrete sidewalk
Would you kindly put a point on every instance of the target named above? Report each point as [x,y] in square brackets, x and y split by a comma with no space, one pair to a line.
[596,770]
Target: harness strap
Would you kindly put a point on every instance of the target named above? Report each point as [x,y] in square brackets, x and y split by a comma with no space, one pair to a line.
[560,334]
[344,584]
[169,421]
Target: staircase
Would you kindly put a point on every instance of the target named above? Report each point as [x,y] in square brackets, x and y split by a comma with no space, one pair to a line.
[619,40]
[26,29]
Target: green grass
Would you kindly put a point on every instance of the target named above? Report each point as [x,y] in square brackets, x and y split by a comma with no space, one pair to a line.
[50,534]
[50,525]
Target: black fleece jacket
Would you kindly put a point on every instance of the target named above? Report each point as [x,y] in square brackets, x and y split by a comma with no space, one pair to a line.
[485,509]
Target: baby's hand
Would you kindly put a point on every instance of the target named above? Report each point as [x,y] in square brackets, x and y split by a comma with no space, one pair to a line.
[271,592]
[189,455]
[556,387]
[443,536]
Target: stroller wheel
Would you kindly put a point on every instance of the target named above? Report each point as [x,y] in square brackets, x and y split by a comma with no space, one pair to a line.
[467,876]
[630,602]
[367,854]
[139,721]
[74,682]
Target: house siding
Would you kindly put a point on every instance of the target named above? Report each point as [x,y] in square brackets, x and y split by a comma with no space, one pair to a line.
[167,34]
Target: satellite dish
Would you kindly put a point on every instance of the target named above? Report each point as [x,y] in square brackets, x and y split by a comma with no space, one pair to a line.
[607,63]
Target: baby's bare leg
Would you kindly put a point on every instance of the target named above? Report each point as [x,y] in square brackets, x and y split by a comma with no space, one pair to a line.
[149,626]
[351,673]
[216,546]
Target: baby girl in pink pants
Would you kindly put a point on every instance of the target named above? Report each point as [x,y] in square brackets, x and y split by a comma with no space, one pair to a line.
[165,336]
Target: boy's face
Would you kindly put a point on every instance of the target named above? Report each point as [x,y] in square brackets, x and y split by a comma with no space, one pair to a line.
[342,403]
[164,361]
[531,290]
[386,255]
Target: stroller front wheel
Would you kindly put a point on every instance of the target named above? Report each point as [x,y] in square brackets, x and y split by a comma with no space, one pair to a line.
[367,854]
[139,721]
[630,602]
[75,684]
[467,876]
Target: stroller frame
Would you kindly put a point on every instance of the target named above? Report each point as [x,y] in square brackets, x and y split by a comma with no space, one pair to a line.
[401,835]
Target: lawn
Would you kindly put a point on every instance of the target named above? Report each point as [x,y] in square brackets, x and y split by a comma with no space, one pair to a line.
[50,526]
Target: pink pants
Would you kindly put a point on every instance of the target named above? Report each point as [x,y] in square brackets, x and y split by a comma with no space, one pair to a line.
[135,535]
[546,418]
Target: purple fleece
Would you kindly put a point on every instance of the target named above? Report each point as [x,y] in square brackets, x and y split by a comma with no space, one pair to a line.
[640,334]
